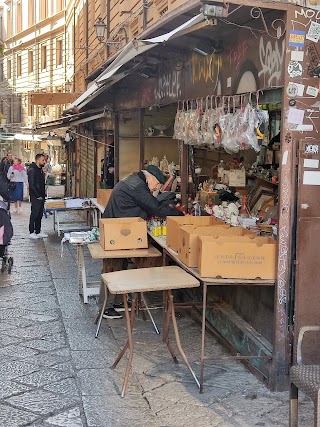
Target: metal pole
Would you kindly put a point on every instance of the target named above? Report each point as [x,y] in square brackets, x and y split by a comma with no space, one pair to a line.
[145,14]
[141,137]
[116,148]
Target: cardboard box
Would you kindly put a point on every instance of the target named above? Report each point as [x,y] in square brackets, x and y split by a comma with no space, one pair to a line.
[55,204]
[246,257]
[55,191]
[123,233]
[188,251]
[175,222]
[103,196]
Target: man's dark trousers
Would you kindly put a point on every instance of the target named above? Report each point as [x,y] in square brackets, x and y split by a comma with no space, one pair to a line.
[36,215]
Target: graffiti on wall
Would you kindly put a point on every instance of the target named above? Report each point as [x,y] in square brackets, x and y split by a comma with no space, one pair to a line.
[205,68]
[168,85]
[238,54]
[271,56]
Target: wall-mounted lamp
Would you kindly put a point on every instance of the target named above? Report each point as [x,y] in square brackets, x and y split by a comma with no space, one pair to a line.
[214,11]
[68,86]
[100,29]
[67,137]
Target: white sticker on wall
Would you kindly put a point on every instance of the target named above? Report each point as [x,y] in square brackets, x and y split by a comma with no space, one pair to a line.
[313,91]
[314,32]
[311,149]
[304,128]
[311,178]
[300,88]
[285,158]
[294,69]
[297,55]
[229,82]
[295,116]
[311,163]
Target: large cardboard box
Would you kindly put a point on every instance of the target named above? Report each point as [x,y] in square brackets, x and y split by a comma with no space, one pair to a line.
[188,251]
[103,196]
[237,178]
[175,222]
[123,233]
[245,257]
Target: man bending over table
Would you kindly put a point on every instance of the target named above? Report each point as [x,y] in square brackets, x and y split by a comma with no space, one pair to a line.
[132,197]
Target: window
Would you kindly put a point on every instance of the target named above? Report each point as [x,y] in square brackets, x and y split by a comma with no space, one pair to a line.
[30,61]
[19,17]
[43,57]
[59,5]
[19,66]
[43,9]
[9,69]
[58,52]
[30,13]
[1,72]
[9,28]
[30,108]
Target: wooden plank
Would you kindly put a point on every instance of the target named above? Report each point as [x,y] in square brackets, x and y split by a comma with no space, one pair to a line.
[52,98]
[97,252]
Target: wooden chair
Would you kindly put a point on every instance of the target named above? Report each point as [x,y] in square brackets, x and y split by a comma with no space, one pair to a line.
[305,378]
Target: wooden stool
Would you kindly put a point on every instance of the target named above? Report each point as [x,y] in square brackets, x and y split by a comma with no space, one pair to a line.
[152,279]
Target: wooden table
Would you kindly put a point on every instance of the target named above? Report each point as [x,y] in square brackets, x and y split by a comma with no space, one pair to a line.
[152,279]
[205,282]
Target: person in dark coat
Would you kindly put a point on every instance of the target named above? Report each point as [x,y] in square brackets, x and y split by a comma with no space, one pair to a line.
[132,197]
[5,164]
[37,191]
[6,230]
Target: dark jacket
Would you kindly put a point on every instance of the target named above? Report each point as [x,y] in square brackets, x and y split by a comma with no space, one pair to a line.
[131,197]
[4,188]
[36,177]
[4,166]
[6,223]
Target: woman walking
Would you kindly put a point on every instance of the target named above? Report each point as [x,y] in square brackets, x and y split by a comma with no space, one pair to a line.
[17,176]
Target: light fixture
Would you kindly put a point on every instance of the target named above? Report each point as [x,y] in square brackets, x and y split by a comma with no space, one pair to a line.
[100,29]
[214,11]
[68,86]
[200,51]
[67,136]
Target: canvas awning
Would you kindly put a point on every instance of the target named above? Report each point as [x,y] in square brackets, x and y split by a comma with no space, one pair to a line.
[28,137]
[134,48]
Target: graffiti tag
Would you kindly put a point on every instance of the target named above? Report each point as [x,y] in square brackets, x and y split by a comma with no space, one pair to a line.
[169,85]
[205,68]
[271,60]
[237,54]
[307,13]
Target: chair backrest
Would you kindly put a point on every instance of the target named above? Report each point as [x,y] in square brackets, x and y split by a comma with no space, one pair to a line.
[302,331]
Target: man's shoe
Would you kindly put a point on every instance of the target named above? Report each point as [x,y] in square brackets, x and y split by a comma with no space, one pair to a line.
[111,313]
[33,236]
[120,307]
[41,236]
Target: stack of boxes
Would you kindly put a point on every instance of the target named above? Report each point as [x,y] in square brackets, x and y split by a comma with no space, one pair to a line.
[219,250]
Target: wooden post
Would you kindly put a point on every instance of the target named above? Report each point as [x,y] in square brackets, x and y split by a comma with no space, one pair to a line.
[141,137]
[116,148]
[184,173]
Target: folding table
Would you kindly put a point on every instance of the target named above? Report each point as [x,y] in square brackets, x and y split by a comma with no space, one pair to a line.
[153,279]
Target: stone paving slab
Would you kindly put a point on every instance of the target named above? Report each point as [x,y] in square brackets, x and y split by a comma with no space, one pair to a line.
[55,373]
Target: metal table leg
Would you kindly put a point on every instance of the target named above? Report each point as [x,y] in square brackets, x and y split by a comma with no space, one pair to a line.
[149,314]
[100,314]
[203,332]
[177,336]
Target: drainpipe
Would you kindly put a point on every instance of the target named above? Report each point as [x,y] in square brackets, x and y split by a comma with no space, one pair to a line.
[108,27]
[145,12]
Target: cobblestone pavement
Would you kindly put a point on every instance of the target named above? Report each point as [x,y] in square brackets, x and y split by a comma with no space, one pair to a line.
[53,372]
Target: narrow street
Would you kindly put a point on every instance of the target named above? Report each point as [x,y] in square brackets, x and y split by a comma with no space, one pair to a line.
[54,372]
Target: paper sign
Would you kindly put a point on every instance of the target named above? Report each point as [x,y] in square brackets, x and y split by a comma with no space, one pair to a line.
[304,128]
[297,55]
[311,178]
[229,82]
[311,163]
[313,91]
[295,116]
[285,158]
[314,32]
[296,38]
[300,88]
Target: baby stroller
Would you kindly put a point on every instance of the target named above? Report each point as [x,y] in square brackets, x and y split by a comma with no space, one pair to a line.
[6,230]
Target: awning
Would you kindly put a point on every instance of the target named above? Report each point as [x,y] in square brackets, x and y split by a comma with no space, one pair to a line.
[28,137]
[134,48]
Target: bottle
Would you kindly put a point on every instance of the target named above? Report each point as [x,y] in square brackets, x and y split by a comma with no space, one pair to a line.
[221,168]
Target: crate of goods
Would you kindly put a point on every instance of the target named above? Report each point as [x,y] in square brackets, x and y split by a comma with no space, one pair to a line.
[175,222]
[55,204]
[188,251]
[123,233]
[103,196]
[238,257]
[209,198]
[55,191]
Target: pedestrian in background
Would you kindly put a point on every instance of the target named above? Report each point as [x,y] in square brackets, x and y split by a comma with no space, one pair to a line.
[5,163]
[37,191]
[18,177]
